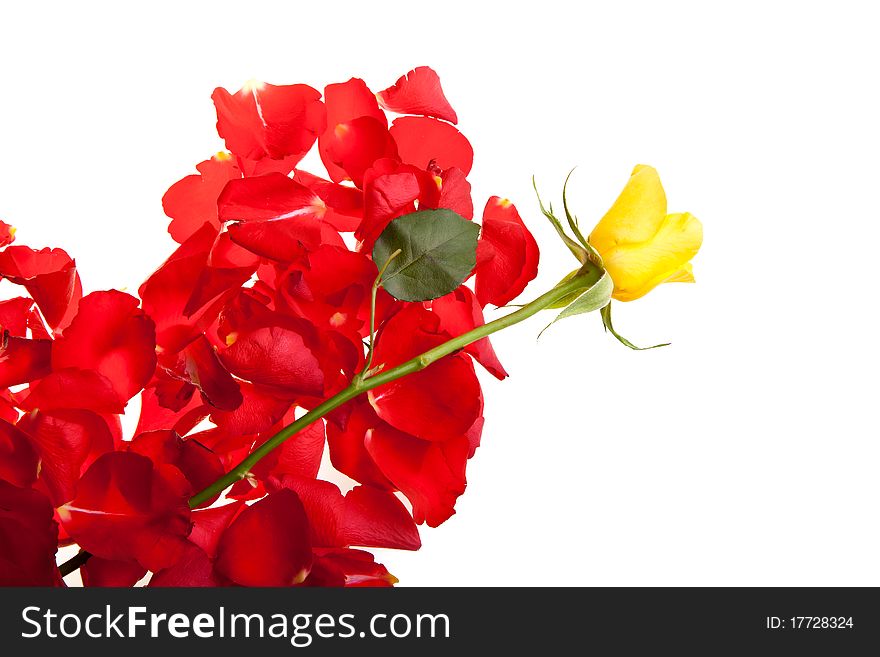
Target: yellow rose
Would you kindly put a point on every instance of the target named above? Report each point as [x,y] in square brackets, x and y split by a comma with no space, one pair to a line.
[640,244]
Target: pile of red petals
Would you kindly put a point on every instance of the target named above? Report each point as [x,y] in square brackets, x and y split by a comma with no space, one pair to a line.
[260,314]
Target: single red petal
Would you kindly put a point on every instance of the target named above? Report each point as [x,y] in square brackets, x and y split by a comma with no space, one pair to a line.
[459,313]
[199,465]
[271,197]
[28,538]
[73,388]
[267,544]
[112,336]
[275,356]
[374,517]
[209,525]
[418,92]
[422,141]
[49,276]
[349,568]
[127,509]
[207,373]
[39,330]
[437,403]
[431,475]
[7,234]
[355,145]
[265,120]
[192,201]
[259,410]
[507,254]
[14,315]
[455,193]
[387,195]
[345,102]
[18,459]
[68,441]
[345,442]
[105,572]
[194,568]
[23,360]
[284,240]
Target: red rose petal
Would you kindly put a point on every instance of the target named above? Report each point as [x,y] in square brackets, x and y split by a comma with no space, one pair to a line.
[49,276]
[259,410]
[207,373]
[112,336]
[357,144]
[127,509]
[7,234]
[345,102]
[14,315]
[267,544]
[376,518]
[459,313]
[269,121]
[418,92]
[422,141]
[455,193]
[68,441]
[507,254]
[192,201]
[431,475]
[346,445]
[209,525]
[275,356]
[194,568]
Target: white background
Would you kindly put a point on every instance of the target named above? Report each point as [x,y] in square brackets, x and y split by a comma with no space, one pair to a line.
[745,453]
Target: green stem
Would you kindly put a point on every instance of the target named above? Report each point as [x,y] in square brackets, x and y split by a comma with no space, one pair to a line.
[361,385]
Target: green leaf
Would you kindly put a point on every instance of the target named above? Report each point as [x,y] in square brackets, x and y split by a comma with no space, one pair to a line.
[438,250]
[596,295]
[606,321]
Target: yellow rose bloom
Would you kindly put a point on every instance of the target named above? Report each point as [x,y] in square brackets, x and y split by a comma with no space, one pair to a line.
[640,244]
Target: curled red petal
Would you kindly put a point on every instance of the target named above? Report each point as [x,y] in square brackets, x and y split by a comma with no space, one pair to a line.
[267,544]
[49,276]
[356,144]
[459,312]
[127,509]
[268,121]
[418,92]
[68,441]
[18,458]
[23,360]
[507,254]
[345,102]
[155,416]
[28,538]
[323,503]
[192,201]
[373,517]
[423,141]
[431,475]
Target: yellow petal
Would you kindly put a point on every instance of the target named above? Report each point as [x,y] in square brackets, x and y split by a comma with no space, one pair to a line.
[637,268]
[683,275]
[636,214]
